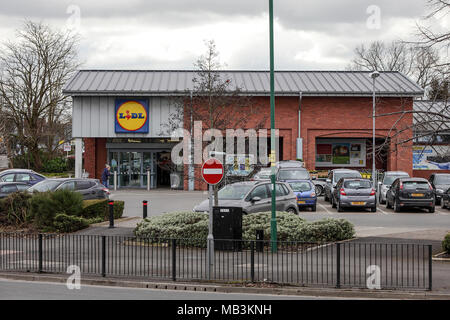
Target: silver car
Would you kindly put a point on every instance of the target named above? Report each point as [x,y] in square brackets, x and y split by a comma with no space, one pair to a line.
[333,177]
[386,182]
[351,193]
[254,196]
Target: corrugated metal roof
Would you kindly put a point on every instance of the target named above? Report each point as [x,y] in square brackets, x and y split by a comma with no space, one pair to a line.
[289,83]
[431,115]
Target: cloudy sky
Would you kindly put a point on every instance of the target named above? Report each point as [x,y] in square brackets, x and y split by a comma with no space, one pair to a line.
[169,34]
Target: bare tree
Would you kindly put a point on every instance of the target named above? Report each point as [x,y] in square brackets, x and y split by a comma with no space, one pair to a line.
[33,72]
[439,9]
[214,100]
[418,62]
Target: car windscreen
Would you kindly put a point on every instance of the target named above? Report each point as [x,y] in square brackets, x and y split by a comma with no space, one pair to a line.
[412,185]
[234,192]
[357,184]
[300,186]
[293,175]
[339,175]
[391,178]
[442,180]
[46,185]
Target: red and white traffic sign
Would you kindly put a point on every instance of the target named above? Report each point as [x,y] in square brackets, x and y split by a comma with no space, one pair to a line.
[212,171]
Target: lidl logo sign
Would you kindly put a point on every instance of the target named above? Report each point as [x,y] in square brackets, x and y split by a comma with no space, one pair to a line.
[131,116]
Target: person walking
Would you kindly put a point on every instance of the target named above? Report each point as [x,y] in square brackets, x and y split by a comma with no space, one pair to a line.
[105,175]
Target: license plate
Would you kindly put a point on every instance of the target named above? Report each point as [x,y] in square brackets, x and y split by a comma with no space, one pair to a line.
[358,203]
[301,202]
[417,194]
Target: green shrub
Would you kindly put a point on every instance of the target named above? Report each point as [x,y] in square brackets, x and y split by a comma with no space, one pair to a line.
[68,202]
[194,225]
[446,243]
[15,209]
[66,223]
[325,231]
[55,165]
[42,210]
[100,208]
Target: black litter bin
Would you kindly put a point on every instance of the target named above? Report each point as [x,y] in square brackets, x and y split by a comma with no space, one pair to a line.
[227,226]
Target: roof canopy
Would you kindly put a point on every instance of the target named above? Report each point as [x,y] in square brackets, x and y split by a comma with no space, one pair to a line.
[287,83]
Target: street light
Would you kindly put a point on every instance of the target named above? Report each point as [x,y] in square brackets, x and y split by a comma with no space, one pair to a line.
[374,75]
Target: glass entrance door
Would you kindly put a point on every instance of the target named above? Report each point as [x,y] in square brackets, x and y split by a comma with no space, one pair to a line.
[131,167]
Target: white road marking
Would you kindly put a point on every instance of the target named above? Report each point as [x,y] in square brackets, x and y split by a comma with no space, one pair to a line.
[382,211]
[329,212]
[442,213]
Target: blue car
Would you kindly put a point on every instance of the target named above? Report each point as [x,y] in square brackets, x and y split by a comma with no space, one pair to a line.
[21,175]
[305,192]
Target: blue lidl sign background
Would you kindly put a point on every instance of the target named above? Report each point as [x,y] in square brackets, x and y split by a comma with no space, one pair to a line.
[131,116]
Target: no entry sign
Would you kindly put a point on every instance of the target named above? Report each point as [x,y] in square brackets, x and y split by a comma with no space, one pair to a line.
[212,171]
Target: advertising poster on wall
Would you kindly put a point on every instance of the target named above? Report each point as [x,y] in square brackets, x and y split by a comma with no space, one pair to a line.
[431,157]
[340,153]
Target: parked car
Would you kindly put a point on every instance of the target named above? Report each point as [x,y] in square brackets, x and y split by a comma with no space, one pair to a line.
[89,188]
[386,181]
[6,188]
[21,175]
[292,173]
[319,184]
[290,164]
[440,183]
[410,192]
[334,176]
[445,201]
[354,193]
[262,175]
[254,196]
[305,192]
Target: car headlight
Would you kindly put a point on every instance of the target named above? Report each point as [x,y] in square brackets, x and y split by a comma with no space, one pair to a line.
[439,191]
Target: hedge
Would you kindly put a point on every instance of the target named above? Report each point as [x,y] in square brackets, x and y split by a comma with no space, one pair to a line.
[62,211]
[446,243]
[100,208]
[194,225]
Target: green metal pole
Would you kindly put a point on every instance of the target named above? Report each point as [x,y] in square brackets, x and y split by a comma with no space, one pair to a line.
[273,221]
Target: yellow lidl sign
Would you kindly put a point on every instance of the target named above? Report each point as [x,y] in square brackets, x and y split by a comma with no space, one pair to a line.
[131,116]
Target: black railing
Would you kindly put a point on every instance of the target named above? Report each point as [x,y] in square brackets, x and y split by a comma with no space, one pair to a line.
[341,265]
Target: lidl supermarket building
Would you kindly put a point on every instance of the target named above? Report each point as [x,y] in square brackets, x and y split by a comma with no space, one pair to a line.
[121,117]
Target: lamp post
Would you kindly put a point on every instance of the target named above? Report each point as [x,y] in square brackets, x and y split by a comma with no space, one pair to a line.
[273,221]
[374,75]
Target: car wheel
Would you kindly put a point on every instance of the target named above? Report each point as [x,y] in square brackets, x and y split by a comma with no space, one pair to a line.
[373,209]
[339,207]
[388,205]
[443,206]
[326,197]
[313,208]
[333,203]
[438,202]
[319,190]
[291,210]
[396,206]
[381,200]
[431,209]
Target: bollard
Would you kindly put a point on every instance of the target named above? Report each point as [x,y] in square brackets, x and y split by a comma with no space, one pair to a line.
[144,209]
[260,240]
[111,213]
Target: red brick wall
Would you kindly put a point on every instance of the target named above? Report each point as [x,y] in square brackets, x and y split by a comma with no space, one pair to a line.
[331,117]
[427,173]
[94,156]
[351,117]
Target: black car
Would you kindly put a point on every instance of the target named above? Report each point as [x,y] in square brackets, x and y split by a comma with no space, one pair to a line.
[89,188]
[6,188]
[445,203]
[410,192]
[440,183]
[21,175]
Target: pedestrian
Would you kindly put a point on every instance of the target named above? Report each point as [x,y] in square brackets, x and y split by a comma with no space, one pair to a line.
[105,175]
